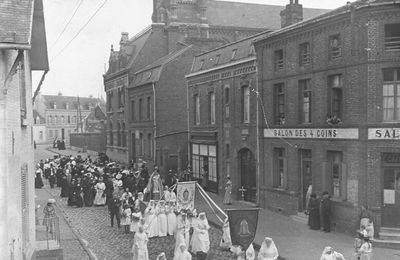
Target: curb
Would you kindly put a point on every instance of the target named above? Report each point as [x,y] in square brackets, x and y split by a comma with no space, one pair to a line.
[84,243]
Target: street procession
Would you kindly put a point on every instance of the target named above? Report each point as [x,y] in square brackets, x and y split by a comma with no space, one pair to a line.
[199,130]
[146,205]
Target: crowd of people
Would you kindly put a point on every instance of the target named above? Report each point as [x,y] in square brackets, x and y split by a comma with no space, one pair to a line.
[145,204]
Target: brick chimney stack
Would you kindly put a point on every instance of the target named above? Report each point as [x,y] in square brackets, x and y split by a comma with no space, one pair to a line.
[293,13]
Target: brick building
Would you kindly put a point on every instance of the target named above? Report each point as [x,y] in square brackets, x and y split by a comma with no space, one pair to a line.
[222,116]
[64,114]
[176,25]
[329,88]
[22,49]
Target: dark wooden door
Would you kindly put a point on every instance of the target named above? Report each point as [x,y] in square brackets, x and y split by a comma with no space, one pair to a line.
[305,177]
[248,175]
[391,198]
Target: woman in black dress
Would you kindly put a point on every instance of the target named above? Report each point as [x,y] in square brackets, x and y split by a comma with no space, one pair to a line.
[313,209]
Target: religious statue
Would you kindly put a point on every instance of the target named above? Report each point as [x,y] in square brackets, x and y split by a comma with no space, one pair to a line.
[155,186]
[244,229]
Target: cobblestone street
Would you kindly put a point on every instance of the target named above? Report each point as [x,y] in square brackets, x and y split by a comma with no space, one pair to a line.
[111,243]
[93,224]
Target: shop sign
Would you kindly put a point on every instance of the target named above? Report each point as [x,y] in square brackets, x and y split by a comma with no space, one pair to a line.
[312,133]
[391,158]
[384,134]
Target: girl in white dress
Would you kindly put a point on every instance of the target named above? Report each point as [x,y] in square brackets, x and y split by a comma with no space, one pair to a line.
[268,250]
[171,219]
[136,216]
[162,219]
[151,217]
[139,248]
[365,250]
[182,253]
[126,218]
[182,231]
[201,241]
[100,198]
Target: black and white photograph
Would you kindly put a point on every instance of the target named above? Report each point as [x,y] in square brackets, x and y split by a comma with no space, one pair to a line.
[199,130]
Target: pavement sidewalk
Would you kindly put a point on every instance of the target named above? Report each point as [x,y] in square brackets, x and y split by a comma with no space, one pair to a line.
[70,242]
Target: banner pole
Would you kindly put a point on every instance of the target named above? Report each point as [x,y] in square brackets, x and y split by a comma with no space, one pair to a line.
[215,204]
[201,193]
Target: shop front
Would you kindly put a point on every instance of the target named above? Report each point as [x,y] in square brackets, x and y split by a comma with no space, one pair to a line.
[204,165]
[391,190]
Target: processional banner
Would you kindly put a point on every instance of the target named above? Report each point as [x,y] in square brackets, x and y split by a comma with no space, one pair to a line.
[243,226]
[185,195]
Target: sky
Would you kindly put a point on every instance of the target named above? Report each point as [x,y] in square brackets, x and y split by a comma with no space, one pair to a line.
[77,66]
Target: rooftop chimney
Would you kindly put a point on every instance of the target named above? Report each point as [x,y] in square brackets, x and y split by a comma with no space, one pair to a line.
[293,13]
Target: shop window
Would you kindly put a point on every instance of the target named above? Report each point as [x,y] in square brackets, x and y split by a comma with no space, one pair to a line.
[246,104]
[204,158]
[391,94]
[279,171]
[392,37]
[148,110]
[278,60]
[304,54]
[279,104]
[335,47]
[337,174]
[305,101]
[211,107]
[197,109]
[335,101]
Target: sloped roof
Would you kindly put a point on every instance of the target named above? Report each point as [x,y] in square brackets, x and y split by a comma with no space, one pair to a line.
[132,48]
[235,14]
[16,21]
[96,114]
[333,13]
[152,72]
[71,100]
[230,53]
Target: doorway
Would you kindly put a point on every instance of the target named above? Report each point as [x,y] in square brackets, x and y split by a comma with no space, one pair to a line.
[391,197]
[305,177]
[62,134]
[248,177]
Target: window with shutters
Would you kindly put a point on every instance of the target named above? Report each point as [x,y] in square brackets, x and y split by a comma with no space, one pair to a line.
[336,174]
[304,54]
[392,37]
[279,171]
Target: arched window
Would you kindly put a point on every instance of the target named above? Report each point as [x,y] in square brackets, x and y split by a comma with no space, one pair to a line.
[62,120]
[50,119]
[111,136]
[55,119]
[69,119]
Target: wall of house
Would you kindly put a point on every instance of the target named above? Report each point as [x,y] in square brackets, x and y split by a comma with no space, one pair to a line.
[17,174]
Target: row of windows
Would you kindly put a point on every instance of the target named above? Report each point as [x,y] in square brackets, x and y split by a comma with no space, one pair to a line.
[305,108]
[390,99]
[120,134]
[245,106]
[61,119]
[66,105]
[121,98]
[391,43]
[138,106]
[334,171]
